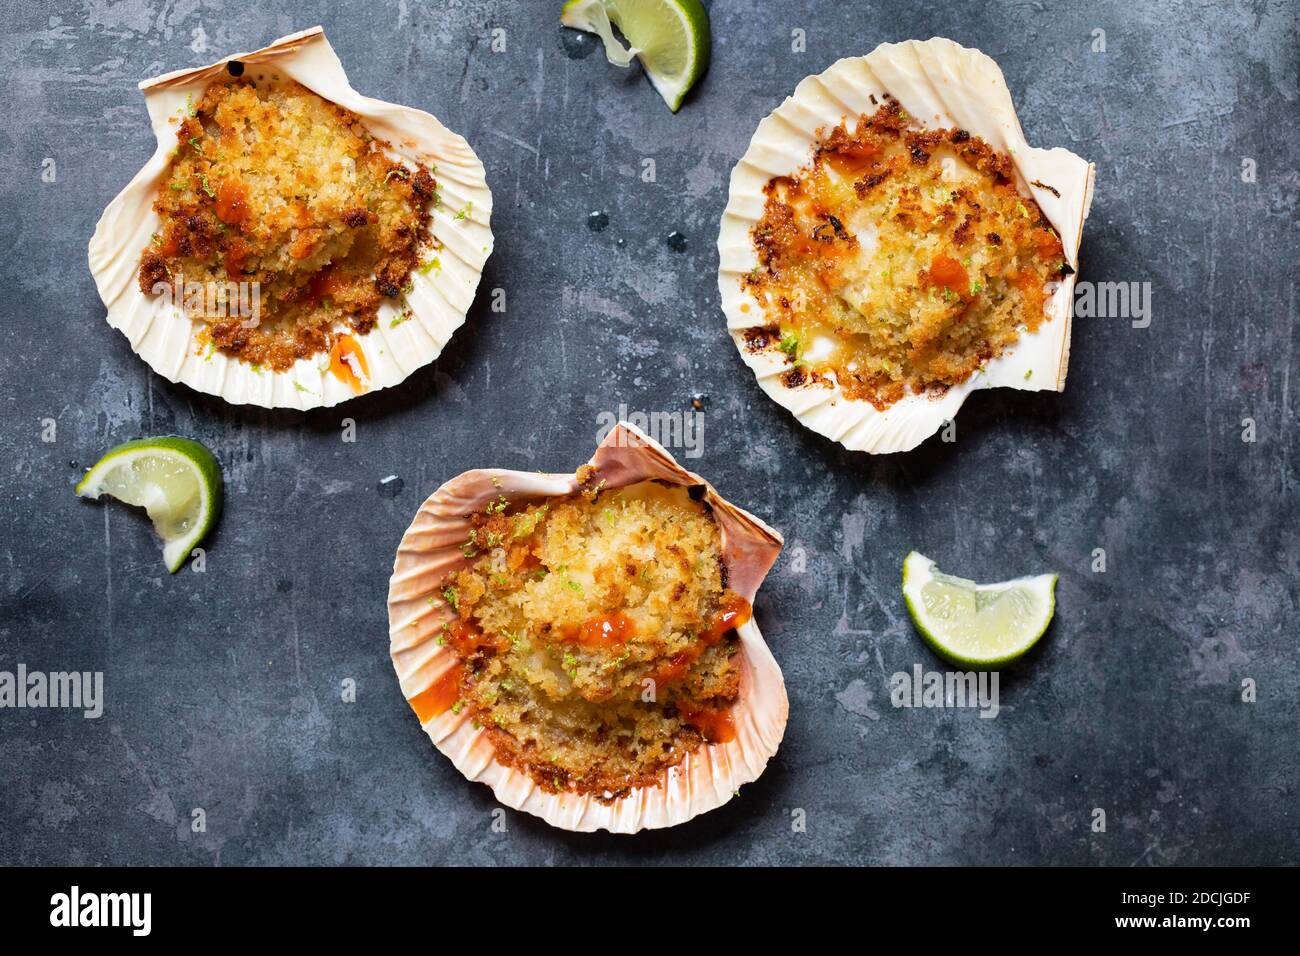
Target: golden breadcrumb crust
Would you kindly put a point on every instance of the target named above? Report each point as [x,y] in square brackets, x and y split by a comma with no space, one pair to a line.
[274,185]
[595,638]
[898,260]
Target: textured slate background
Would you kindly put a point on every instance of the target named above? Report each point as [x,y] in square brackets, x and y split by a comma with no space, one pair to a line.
[223,688]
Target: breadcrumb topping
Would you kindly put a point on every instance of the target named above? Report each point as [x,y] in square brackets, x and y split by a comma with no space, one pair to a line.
[596,635]
[898,260]
[274,185]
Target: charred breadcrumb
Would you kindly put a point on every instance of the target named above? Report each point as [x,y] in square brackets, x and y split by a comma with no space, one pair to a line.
[908,254]
[761,338]
[596,636]
[274,185]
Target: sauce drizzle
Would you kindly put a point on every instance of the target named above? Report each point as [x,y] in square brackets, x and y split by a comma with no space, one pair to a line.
[609,630]
[440,696]
[715,726]
[733,612]
[348,363]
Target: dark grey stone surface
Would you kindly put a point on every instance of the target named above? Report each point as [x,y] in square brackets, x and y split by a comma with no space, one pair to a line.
[223,688]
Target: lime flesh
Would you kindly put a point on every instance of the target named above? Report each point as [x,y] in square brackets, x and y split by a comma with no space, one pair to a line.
[175,480]
[669,37]
[977,625]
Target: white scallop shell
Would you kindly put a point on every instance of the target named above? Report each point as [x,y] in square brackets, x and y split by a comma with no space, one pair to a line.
[705,779]
[941,84]
[165,337]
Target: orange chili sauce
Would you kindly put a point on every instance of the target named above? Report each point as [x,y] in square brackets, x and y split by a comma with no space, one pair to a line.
[947,273]
[235,257]
[439,696]
[733,612]
[674,669]
[607,630]
[232,202]
[850,159]
[715,726]
[347,345]
[611,630]
[465,638]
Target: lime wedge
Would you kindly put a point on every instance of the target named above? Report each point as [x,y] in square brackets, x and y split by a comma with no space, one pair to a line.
[175,480]
[977,625]
[669,37]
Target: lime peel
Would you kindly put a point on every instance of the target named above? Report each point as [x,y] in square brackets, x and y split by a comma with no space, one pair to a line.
[176,480]
[977,625]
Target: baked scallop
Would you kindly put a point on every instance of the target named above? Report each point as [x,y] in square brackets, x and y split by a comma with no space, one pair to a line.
[585,644]
[291,243]
[892,243]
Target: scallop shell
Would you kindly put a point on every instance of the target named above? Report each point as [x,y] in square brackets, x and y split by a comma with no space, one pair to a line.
[165,337]
[705,779]
[942,84]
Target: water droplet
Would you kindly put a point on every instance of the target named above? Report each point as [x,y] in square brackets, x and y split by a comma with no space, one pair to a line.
[676,241]
[74,464]
[698,401]
[576,44]
[390,487]
[597,221]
